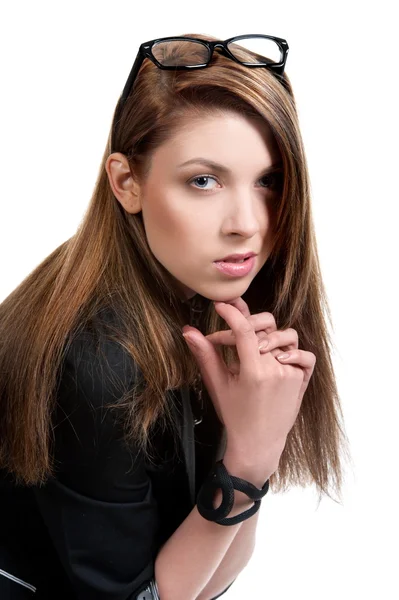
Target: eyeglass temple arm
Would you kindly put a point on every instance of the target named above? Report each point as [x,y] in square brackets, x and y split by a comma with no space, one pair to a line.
[133,73]
[127,88]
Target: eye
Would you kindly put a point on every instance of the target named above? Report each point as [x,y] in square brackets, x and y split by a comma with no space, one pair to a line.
[274,180]
[201,179]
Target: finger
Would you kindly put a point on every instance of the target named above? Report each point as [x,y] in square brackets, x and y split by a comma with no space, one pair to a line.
[213,369]
[304,359]
[241,305]
[286,339]
[246,339]
[224,338]
[261,322]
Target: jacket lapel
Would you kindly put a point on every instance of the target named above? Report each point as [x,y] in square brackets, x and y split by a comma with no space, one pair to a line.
[188,439]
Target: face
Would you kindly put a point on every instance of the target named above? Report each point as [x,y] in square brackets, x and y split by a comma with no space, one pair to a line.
[198,213]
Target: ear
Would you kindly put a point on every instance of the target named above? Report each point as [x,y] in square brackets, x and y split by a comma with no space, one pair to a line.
[125,188]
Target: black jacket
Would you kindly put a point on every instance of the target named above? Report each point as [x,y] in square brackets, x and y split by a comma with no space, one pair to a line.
[93,531]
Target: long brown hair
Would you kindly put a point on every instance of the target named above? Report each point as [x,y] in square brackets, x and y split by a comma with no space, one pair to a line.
[108,263]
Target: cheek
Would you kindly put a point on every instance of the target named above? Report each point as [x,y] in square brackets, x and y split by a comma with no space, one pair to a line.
[168,223]
[157,212]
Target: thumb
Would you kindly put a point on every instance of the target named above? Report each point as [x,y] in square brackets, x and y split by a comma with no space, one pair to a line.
[213,369]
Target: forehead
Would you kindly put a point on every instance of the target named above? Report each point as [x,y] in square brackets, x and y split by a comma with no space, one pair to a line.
[224,137]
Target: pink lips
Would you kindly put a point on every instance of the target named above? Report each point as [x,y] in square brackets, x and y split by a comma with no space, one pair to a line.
[237,257]
[235,269]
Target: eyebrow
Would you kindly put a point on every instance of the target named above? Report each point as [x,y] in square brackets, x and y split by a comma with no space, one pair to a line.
[218,167]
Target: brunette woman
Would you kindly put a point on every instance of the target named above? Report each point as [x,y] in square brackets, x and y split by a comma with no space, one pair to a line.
[106,409]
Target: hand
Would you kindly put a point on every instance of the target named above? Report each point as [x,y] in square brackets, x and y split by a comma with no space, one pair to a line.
[258,404]
[278,343]
[263,323]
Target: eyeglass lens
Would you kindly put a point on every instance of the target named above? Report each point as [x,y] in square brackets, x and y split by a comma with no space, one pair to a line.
[187,53]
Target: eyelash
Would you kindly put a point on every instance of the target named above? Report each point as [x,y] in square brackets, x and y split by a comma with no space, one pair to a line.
[276,177]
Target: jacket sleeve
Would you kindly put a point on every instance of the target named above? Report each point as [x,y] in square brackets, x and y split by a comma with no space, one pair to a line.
[99,508]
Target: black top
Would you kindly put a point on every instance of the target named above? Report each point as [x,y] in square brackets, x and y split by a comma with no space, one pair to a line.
[94,530]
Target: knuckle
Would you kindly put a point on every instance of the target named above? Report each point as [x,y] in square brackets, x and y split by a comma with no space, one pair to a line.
[293,332]
[255,376]
[245,328]
[269,315]
[262,335]
[272,326]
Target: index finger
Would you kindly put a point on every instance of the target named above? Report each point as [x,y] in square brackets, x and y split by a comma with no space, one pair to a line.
[241,305]
[244,309]
[246,338]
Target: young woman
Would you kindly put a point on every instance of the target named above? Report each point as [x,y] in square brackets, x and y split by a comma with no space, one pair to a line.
[106,409]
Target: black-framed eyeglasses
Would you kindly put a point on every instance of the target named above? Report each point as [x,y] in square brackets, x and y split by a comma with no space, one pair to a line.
[192,53]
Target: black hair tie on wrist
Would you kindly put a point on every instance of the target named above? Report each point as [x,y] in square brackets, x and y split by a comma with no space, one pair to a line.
[219,477]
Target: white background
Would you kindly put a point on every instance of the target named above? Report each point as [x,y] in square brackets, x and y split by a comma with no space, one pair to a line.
[63,67]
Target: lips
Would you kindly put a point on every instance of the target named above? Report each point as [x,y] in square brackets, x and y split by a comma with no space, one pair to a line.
[232,269]
[236,257]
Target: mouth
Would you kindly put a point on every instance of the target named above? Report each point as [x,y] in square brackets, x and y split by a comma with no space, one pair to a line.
[231,260]
[235,267]
[237,258]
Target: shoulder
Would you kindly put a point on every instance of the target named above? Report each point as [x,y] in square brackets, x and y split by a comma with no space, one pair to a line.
[95,364]
[97,373]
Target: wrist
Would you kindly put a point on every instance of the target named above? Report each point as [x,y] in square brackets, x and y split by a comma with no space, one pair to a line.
[245,468]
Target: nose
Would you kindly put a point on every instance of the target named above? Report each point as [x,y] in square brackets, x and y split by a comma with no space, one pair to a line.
[243,216]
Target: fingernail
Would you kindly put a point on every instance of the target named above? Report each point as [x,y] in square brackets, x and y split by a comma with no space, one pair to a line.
[283,356]
[190,339]
[263,344]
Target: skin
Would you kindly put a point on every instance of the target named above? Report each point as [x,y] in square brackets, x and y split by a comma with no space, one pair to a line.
[192,222]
